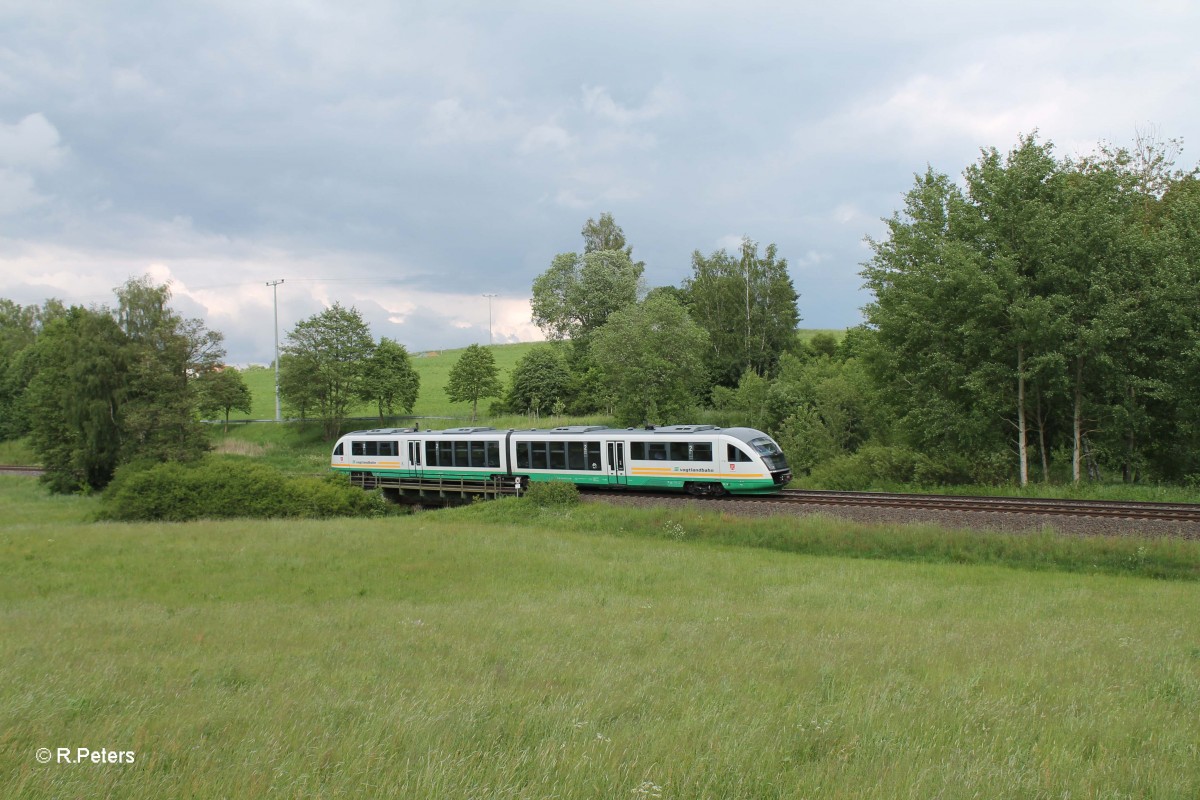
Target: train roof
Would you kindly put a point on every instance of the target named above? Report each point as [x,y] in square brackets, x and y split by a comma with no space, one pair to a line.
[744,434]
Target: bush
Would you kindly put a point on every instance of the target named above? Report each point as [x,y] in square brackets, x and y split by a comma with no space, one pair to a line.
[225,488]
[870,467]
[877,467]
[552,493]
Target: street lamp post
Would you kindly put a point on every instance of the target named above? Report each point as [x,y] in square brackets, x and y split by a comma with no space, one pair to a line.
[489,297]
[275,291]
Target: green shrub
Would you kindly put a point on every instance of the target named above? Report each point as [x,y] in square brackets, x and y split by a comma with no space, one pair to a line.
[552,493]
[227,488]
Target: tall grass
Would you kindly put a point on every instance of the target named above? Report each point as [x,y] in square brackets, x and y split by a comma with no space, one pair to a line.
[441,656]
[816,535]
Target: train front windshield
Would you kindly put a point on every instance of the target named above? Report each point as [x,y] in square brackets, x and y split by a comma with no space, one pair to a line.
[772,455]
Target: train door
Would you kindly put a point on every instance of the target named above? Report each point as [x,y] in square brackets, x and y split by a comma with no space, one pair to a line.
[414,456]
[617,473]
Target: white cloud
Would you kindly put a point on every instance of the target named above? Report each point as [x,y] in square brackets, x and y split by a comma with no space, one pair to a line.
[598,102]
[32,143]
[548,136]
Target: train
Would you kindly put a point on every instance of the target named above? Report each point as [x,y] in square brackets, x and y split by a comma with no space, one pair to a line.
[702,460]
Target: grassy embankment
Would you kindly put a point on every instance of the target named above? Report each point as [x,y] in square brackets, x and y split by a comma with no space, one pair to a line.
[501,652]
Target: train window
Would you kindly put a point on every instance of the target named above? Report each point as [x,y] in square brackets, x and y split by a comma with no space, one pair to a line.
[576,455]
[479,454]
[637,451]
[462,457]
[356,448]
[593,455]
[658,451]
[337,451]
[737,454]
[523,455]
[431,454]
[679,451]
[538,451]
[493,455]
[558,455]
[701,451]
[370,448]
[389,448]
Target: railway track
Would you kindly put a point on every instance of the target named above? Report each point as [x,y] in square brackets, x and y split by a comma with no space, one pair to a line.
[1176,512]
[1080,509]
[17,469]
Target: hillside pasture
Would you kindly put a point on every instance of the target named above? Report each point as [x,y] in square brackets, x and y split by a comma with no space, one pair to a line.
[433,367]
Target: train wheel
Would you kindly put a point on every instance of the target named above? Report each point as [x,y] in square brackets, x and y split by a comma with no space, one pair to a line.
[705,489]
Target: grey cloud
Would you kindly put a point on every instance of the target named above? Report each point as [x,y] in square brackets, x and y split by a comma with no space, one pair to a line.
[457,149]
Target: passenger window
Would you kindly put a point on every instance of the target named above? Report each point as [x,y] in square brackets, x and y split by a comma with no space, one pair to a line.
[356,448]
[658,451]
[538,451]
[637,451]
[593,455]
[679,451]
[493,455]
[558,455]
[702,451]
[737,454]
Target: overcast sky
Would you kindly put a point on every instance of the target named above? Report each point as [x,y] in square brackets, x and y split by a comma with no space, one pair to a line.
[408,157]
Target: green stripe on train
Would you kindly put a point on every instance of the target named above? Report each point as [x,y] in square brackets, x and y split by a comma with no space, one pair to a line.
[755,486]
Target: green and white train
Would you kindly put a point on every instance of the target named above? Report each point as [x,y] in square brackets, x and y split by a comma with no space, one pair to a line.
[698,459]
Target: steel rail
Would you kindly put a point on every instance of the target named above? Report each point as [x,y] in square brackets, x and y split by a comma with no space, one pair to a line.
[17,469]
[1188,512]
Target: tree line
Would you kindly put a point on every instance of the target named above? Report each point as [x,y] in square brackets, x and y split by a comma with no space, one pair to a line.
[1036,319]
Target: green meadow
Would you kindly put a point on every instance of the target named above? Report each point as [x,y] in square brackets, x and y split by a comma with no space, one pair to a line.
[580,652]
[433,367]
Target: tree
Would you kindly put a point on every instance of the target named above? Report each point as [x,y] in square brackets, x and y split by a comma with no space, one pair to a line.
[300,386]
[106,387]
[20,327]
[472,377]
[575,296]
[324,357]
[539,380]
[223,391]
[1041,310]
[77,397]
[389,380]
[652,354]
[747,304]
[605,235]
[166,354]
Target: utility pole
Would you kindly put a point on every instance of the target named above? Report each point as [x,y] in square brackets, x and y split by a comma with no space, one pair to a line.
[275,291]
[489,297]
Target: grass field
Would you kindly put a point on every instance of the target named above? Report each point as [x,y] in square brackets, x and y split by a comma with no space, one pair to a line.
[465,654]
[433,367]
